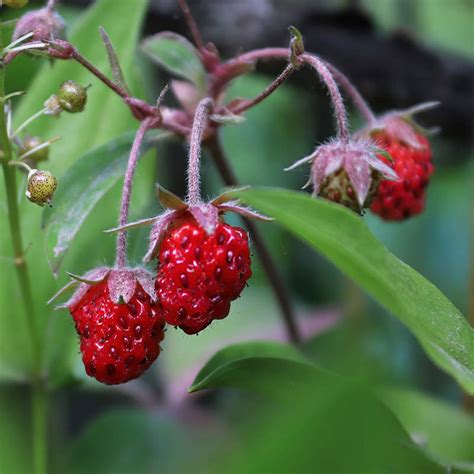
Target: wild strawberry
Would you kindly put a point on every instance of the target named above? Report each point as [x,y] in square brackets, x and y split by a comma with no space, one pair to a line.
[204,263]
[398,200]
[347,173]
[119,322]
[40,187]
[405,141]
[118,341]
[199,274]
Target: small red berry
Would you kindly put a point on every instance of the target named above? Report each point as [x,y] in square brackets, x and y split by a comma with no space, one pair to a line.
[398,200]
[200,274]
[118,341]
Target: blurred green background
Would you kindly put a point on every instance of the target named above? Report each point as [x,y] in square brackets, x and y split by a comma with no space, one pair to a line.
[153,425]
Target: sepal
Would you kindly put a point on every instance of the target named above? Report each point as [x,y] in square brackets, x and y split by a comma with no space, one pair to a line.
[401,125]
[121,283]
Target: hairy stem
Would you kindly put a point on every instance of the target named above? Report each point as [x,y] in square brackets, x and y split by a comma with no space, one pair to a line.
[38,391]
[284,53]
[195,143]
[281,294]
[269,90]
[359,102]
[121,252]
[337,102]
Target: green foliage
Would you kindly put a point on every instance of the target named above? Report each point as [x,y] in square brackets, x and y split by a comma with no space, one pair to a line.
[345,239]
[315,419]
[442,429]
[83,186]
[250,365]
[104,118]
[177,55]
[128,441]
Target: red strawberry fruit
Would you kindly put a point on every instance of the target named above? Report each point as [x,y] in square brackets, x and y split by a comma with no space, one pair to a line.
[120,337]
[398,200]
[199,274]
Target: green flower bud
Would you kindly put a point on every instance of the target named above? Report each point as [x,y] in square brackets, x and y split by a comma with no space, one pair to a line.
[41,186]
[15,3]
[72,97]
[29,143]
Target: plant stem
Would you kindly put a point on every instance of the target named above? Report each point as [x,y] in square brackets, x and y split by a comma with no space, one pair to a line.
[192,26]
[219,157]
[195,144]
[100,75]
[38,400]
[28,121]
[121,252]
[339,110]
[286,73]
[359,102]
[284,53]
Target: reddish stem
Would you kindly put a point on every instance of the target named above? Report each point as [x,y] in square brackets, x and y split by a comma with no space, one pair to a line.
[269,90]
[121,252]
[197,132]
[283,53]
[193,28]
[339,110]
[359,102]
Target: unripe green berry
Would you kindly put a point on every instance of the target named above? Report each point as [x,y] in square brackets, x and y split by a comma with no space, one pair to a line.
[30,143]
[16,3]
[72,96]
[41,186]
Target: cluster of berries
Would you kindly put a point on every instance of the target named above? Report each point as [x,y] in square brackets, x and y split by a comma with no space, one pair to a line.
[203,264]
[386,167]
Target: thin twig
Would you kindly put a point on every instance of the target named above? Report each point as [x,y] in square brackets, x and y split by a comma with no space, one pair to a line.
[269,90]
[121,252]
[194,162]
[192,25]
[283,53]
[338,103]
[227,173]
[359,102]
[100,75]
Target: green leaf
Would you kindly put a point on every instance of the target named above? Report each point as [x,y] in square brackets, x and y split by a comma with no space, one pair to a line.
[307,418]
[129,441]
[443,429]
[347,242]
[250,364]
[177,55]
[104,118]
[83,186]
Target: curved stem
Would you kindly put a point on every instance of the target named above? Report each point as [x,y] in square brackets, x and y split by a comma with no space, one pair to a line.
[269,90]
[271,269]
[194,162]
[20,164]
[28,121]
[339,109]
[283,53]
[359,102]
[121,252]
